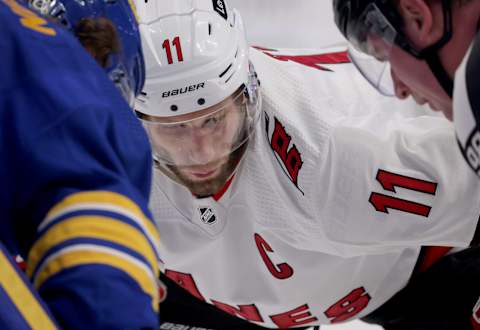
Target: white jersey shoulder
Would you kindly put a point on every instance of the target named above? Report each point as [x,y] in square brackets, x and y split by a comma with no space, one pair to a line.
[324,219]
[378,171]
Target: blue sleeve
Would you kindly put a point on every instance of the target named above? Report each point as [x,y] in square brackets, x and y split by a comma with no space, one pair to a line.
[76,170]
[21,308]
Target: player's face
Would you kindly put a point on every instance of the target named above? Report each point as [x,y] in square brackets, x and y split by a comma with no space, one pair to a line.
[199,145]
[413,77]
[203,184]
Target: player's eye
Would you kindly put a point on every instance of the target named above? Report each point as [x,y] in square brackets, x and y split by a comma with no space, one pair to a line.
[213,121]
[176,129]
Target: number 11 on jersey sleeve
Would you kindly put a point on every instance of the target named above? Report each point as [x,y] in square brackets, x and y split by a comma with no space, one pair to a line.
[389,181]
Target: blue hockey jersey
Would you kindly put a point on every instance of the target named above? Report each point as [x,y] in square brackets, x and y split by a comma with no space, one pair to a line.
[21,307]
[75,180]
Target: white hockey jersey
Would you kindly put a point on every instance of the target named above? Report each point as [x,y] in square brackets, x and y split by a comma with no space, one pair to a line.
[325,216]
[466,105]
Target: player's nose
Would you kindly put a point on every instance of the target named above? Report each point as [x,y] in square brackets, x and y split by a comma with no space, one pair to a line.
[202,149]
[401,90]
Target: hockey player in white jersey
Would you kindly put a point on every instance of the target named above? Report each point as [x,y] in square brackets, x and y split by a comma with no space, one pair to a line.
[295,202]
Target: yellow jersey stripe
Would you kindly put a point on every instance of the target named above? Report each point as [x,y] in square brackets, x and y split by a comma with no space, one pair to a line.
[98,227]
[102,207]
[27,304]
[134,10]
[91,254]
[107,201]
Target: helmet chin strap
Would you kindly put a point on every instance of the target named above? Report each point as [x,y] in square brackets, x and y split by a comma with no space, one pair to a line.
[433,61]
[432,58]
[430,54]
[443,78]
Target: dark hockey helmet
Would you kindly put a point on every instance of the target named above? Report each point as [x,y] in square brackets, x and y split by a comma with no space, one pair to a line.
[362,20]
[126,67]
[355,20]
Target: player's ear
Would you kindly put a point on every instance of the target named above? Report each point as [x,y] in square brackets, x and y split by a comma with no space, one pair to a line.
[419,22]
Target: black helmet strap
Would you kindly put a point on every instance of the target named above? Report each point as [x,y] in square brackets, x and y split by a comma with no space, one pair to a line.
[430,54]
[440,73]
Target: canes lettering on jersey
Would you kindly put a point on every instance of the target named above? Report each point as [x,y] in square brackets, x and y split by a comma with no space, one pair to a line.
[294,317]
[344,309]
[348,306]
[298,316]
[248,312]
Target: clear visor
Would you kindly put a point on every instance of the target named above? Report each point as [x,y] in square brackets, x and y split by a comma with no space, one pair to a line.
[204,137]
[377,73]
[372,41]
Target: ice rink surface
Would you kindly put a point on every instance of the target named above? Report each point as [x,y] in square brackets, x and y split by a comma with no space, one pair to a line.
[293,24]
[289,24]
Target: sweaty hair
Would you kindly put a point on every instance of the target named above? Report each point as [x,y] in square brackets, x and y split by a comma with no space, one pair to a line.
[99,37]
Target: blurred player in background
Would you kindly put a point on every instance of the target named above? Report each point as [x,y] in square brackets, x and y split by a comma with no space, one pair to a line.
[295,202]
[420,46]
[74,186]
[428,50]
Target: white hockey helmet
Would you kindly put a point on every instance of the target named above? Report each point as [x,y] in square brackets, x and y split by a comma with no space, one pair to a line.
[197,67]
